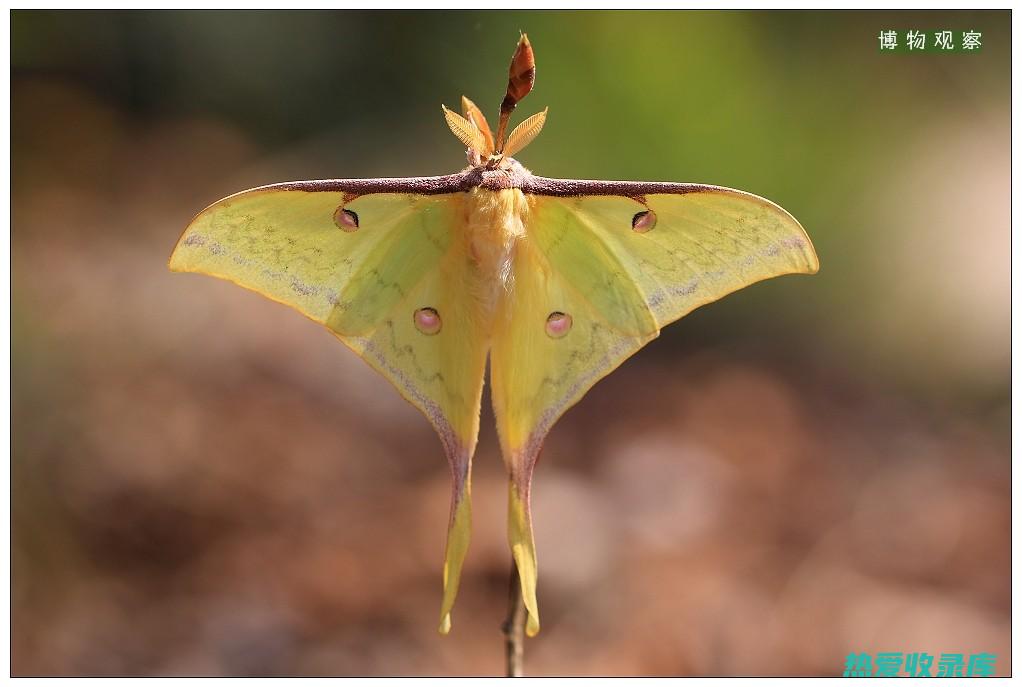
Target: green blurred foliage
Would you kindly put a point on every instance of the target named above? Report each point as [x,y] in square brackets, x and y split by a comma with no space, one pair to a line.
[194,470]
[800,107]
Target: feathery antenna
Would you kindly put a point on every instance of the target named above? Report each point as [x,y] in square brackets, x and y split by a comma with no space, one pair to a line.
[475,115]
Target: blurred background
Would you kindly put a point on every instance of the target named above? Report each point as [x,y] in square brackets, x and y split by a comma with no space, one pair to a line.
[205,482]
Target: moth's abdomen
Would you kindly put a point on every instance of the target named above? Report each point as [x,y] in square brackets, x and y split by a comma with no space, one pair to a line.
[495,222]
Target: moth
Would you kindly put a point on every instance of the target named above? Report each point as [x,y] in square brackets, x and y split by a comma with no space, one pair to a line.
[552,282]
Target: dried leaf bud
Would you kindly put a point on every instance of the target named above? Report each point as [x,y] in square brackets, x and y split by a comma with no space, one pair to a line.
[521,76]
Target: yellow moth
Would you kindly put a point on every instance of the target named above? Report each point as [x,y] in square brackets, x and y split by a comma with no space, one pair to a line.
[555,281]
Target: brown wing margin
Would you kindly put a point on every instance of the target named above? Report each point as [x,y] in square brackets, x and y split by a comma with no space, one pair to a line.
[543,186]
[493,180]
[448,183]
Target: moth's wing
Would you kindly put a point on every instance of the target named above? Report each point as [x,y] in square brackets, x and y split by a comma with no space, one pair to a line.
[699,245]
[583,258]
[535,377]
[365,283]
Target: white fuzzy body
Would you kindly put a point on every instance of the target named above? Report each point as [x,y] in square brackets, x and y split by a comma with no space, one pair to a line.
[495,224]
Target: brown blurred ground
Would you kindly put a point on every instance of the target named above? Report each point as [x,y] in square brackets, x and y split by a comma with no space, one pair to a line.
[206,483]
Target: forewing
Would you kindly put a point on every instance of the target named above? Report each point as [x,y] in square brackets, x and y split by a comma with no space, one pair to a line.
[697,247]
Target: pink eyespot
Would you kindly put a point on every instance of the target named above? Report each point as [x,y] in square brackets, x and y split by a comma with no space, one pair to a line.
[345,219]
[427,321]
[558,324]
[644,221]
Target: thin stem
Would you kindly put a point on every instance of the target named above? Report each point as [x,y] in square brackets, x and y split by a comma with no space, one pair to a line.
[505,117]
[514,626]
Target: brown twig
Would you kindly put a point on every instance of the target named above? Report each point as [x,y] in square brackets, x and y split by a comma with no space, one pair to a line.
[514,626]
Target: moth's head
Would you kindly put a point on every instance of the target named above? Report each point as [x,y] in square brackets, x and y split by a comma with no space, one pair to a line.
[485,149]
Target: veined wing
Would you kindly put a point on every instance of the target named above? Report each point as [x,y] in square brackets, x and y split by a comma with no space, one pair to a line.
[375,261]
[604,267]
